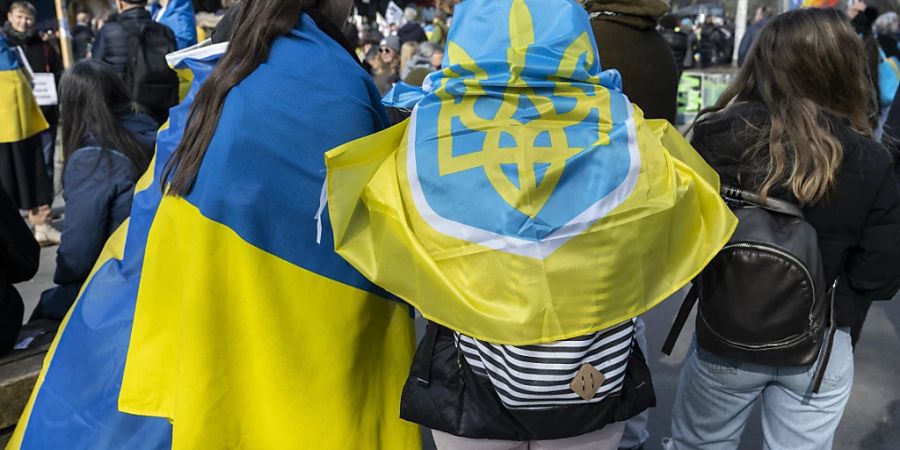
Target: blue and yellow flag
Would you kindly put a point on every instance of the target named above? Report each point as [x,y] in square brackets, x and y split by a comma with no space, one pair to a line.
[526,200]
[179,16]
[248,330]
[20,116]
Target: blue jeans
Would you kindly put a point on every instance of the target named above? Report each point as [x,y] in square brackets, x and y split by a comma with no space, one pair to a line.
[716,395]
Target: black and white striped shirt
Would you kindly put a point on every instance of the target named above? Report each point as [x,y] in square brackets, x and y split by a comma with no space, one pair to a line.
[539,376]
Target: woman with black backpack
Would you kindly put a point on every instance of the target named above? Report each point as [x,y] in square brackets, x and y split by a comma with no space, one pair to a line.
[795,126]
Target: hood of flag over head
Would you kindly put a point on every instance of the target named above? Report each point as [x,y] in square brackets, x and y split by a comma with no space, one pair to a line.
[21,116]
[526,199]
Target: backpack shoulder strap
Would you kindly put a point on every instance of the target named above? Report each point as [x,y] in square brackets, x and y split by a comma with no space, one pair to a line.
[770,204]
[683,313]
[423,377]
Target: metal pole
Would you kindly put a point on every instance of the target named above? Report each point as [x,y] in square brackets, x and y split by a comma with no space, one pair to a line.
[64,40]
[740,22]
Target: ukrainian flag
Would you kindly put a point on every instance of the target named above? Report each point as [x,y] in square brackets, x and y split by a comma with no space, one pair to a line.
[526,200]
[20,116]
[248,330]
[179,16]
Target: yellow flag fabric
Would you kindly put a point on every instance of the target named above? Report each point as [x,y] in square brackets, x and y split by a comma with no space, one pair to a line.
[20,116]
[526,200]
[249,331]
[264,384]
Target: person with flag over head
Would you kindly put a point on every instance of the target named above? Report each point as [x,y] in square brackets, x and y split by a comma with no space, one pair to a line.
[529,212]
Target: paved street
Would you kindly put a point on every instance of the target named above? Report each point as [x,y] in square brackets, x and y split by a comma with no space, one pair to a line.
[871,421]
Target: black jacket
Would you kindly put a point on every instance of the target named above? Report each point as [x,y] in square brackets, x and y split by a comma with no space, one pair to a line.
[19,258]
[115,44]
[99,185]
[712,42]
[82,39]
[678,43]
[858,224]
[643,57]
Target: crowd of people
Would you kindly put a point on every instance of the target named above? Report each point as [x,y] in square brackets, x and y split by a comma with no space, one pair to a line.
[803,135]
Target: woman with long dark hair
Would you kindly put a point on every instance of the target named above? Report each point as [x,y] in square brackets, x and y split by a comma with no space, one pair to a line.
[219,315]
[107,147]
[795,126]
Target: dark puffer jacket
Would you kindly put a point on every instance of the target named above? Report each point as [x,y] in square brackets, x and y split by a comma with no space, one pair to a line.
[858,224]
[115,44]
[99,184]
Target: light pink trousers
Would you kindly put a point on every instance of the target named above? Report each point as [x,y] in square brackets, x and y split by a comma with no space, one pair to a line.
[605,439]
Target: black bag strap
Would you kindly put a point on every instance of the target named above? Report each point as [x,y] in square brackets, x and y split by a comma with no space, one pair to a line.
[832,329]
[770,204]
[428,343]
[686,306]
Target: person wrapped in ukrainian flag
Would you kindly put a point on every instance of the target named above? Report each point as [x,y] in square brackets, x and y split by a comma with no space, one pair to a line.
[219,316]
[529,212]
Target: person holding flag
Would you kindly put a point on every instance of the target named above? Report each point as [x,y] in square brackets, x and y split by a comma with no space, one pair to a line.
[529,212]
[219,316]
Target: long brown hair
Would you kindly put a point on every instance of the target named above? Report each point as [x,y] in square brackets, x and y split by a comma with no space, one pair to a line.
[808,68]
[256,26]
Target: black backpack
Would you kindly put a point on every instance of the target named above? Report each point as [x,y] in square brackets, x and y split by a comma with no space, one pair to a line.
[152,83]
[763,298]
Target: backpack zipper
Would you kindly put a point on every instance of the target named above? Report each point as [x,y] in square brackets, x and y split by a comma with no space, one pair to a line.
[812,328]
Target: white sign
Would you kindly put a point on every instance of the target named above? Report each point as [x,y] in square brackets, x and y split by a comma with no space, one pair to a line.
[45,89]
[394,14]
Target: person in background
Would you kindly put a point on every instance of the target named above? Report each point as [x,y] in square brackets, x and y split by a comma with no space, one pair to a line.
[863,17]
[627,40]
[763,14]
[712,41]
[82,35]
[179,16]
[886,28]
[386,68]
[801,143]
[693,34]
[42,52]
[117,44]
[411,31]
[726,51]
[19,252]
[407,51]
[24,171]
[677,40]
[19,259]
[107,148]
[426,59]
[439,32]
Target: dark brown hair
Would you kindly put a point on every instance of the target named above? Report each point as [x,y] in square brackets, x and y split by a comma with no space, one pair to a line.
[257,24]
[91,94]
[807,67]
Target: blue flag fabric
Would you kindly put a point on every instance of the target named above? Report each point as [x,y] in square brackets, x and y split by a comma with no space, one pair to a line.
[75,404]
[179,16]
[228,308]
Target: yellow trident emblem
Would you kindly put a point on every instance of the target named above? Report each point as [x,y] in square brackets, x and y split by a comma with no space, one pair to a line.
[530,196]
